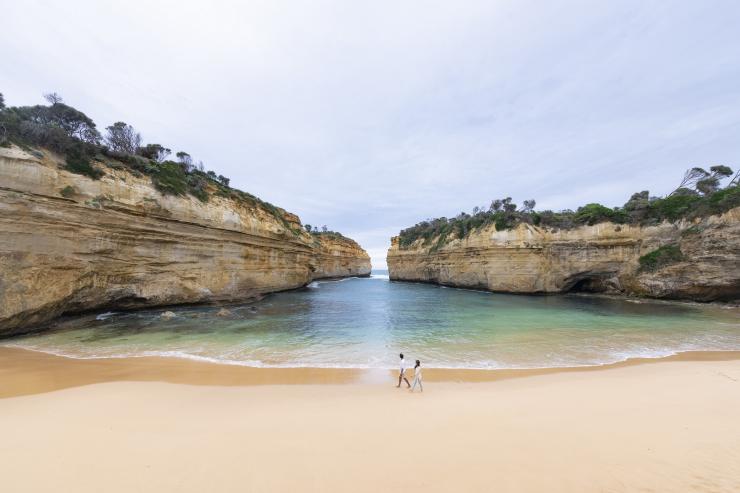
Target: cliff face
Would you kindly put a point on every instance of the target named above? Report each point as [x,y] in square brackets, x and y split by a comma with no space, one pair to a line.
[118,243]
[599,258]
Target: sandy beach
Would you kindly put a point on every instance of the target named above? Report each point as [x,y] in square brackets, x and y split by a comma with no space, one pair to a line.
[670,425]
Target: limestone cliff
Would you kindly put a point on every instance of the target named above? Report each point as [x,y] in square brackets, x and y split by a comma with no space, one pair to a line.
[604,258]
[69,243]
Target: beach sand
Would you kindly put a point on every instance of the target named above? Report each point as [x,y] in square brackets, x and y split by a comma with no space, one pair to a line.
[150,424]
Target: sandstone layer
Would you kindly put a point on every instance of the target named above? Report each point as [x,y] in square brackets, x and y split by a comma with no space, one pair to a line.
[599,258]
[117,243]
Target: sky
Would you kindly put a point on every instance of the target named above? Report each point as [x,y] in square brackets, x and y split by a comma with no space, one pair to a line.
[369,117]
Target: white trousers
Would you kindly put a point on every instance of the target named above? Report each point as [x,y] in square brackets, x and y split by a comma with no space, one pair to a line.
[417,380]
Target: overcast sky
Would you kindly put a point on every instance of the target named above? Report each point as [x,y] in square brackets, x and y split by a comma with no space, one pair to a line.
[371,116]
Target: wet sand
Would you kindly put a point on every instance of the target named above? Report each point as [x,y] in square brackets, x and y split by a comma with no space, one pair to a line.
[24,372]
[153,424]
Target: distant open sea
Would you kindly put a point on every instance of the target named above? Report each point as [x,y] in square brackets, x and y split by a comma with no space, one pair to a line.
[365,323]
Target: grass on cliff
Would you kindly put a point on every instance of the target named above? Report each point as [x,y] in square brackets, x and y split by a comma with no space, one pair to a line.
[659,258]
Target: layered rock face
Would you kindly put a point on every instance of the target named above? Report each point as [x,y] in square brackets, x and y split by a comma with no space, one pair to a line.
[117,243]
[599,258]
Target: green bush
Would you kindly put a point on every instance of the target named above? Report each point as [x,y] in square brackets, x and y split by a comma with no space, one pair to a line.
[170,179]
[78,162]
[502,223]
[67,191]
[596,213]
[663,256]
[723,200]
[673,207]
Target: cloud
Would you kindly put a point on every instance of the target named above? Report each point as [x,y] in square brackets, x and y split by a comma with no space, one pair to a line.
[371,117]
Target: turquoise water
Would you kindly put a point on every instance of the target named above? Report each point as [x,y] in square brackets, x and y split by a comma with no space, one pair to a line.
[365,323]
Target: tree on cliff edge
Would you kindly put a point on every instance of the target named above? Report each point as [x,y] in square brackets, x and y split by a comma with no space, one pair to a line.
[53,98]
[123,138]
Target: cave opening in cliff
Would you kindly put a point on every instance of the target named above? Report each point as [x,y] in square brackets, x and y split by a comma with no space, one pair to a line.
[592,283]
[587,285]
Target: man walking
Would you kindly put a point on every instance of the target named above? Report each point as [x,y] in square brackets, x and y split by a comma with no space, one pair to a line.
[401,375]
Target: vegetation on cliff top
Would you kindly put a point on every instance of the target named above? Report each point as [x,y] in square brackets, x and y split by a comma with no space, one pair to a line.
[326,233]
[699,194]
[69,132]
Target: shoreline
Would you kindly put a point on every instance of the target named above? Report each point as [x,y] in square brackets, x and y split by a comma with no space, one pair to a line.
[29,372]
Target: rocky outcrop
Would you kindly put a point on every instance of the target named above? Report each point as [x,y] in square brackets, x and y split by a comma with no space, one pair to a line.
[69,244]
[601,258]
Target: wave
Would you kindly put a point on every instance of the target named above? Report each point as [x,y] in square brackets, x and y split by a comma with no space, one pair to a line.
[105,316]
[486,365]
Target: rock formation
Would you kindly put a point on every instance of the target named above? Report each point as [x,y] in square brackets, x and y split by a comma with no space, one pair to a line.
[599,258]
[69,244]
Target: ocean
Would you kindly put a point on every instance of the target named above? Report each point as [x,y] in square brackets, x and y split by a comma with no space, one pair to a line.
[366,322]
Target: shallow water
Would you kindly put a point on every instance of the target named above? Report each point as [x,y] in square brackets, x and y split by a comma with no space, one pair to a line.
[365,323]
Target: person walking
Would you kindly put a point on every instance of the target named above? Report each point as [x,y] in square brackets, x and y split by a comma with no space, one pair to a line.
[402,374]
[417,377]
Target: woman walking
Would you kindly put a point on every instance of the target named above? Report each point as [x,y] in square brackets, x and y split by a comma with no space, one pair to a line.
[417,377]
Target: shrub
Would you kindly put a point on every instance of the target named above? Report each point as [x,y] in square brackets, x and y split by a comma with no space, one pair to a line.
[78,162]
[503,224]
[596,213]
[657,259]
[723,200]
[197,186]
[170,179]
[67,191]
[673,207]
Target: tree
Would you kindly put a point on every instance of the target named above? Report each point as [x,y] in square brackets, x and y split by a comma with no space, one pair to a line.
[707,185]
[56,126]
[53,98]
[184,158]
[690,179]
[224,181]
[507,205]
[721,171]
[735,180]
[123,138]
[637,207]
[529,205]
[496,205]
[156,152]
[324,228]
[2,101]
[710,183]
[308,227]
